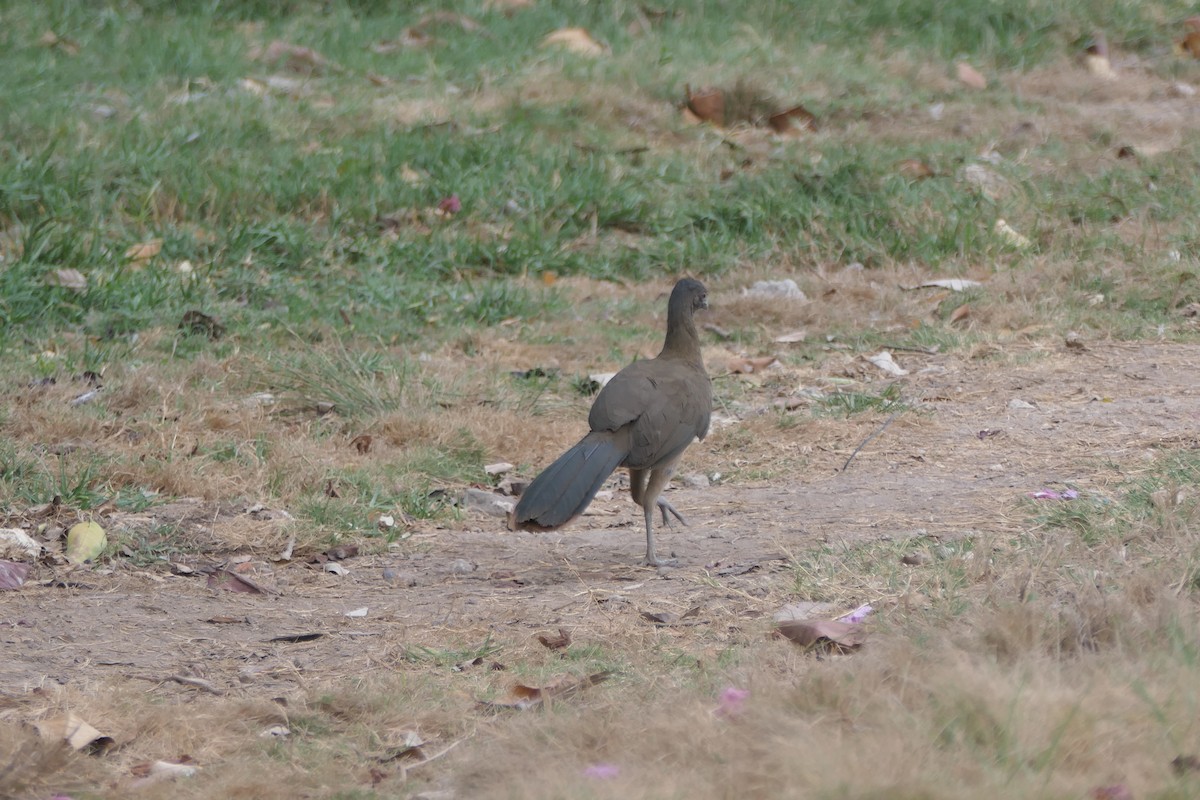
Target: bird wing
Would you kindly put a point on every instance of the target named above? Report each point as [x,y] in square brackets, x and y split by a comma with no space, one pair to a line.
[666,402]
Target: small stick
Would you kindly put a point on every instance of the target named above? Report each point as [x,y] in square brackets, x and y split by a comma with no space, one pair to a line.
[867,440]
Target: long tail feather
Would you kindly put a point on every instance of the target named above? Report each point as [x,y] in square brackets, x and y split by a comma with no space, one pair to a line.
[565,488]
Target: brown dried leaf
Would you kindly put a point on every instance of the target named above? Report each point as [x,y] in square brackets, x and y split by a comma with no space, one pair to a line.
[576,40]
[527,697]
[708,105]
[793,122]
[825,632]
[914,169]
[970,77]
[144,251]
[960,313]
[1191,44]
[71,279]
[53,40]
[200,323]
[746,366]
[232,582]
[562,640]
[362,443]
[303,60]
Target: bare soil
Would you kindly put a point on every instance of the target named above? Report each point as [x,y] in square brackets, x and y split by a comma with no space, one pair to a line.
[961,462]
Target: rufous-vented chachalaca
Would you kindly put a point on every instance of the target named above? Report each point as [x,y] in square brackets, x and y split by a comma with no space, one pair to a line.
[643,419]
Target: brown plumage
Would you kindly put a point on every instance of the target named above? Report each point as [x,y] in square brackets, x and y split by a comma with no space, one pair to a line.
[643,419]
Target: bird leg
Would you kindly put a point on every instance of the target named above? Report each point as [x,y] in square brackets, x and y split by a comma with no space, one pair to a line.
[664,506]
[650,500]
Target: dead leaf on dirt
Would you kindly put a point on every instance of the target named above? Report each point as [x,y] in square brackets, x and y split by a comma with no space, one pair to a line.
[232,582]
[342,552]
[953,284]
[507,7]
[296,638]
[668,618]
[960,313]
[198,322]
[144,251]
[296,58]
[12,575]
[528,697]
[793,122]
[52,40]
[408,39]
[884,361]
[76,732]
[1182,765]
[747,366]
[795,337]
[575,40]
[969,76]
[823,632]
[1191,44]
[71,279]
[450,18]
[914,169]
[85,542]
[707,104]
[550,642]
[402,743]
[362,443]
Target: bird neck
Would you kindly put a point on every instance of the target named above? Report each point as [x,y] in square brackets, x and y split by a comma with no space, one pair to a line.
[682,341]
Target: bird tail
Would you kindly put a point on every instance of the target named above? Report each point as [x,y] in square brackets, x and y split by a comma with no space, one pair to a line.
[564,489]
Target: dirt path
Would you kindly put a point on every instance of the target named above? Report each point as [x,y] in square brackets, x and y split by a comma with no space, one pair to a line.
[1086,419]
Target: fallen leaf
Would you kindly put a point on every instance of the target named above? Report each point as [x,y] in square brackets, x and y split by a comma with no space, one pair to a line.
[885,362]
[508,7]
[303,60]
[362,443]
[527,697]
[296,638]
[76,732]
[969,76]
[52,40]
[809,633]
[232,582]
[953,284]
[12,575]
[914,169]
[668,618]
[449,206]
[198,322]
[575,40]
[16,544]
[71,279]
[144,251]
[1191,44]
[1182,765]
[1010,235]
[746,366]
[960,313]
[85,542]
[559,642]
[793,121]
[342,552]
[708,104]
[795,337]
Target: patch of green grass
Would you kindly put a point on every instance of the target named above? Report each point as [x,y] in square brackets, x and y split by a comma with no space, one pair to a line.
[452,658]
[847,404]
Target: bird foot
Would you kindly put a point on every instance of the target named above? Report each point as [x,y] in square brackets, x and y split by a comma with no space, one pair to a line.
[652,560]
[665,507]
